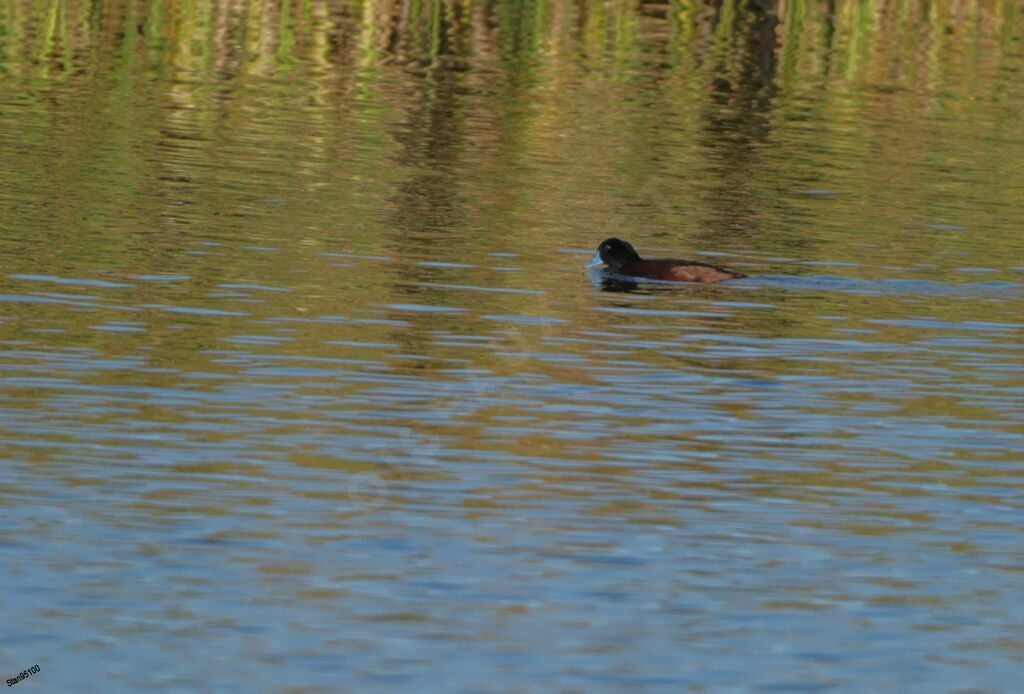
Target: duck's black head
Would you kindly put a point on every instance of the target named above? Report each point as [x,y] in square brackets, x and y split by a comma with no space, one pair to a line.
[614,253]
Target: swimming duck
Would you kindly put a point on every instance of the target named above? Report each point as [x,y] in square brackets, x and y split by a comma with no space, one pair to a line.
[621,258]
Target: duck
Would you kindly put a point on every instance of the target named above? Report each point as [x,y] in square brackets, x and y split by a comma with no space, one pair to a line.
[621,258]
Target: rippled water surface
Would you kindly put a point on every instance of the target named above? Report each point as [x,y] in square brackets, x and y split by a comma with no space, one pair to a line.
[303,384]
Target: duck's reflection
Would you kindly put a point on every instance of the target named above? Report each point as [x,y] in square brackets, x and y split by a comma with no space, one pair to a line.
[613,284]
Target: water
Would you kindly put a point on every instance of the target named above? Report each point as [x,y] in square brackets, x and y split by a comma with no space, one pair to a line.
[302,383]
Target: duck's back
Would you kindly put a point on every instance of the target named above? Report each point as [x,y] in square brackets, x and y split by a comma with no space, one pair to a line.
[679,271]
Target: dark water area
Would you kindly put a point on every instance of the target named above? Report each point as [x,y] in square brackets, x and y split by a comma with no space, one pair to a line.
[303,384]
